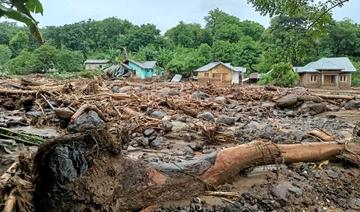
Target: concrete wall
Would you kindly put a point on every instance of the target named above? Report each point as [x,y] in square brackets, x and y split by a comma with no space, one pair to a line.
[343,80]
[305,80]
[91,66]
[347,82]
[219,73]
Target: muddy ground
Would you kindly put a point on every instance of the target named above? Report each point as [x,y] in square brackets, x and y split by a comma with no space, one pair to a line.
[171,126]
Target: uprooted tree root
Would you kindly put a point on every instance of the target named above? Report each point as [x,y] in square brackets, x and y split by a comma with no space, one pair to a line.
[82,171]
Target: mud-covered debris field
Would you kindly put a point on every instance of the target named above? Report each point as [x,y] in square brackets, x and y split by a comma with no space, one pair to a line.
[77,145]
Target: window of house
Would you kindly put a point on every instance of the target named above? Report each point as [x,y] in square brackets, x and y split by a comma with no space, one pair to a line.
[206,74]
[216,76]
[342,78]
[224,76]
[313,78]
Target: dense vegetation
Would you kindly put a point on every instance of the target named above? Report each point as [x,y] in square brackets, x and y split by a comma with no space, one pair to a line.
[181,49]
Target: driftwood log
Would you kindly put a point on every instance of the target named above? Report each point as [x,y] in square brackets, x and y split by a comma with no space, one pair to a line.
[229,162]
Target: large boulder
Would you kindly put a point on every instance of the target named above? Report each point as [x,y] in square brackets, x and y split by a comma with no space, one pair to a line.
[87,121]
[352,105]
[225,120]
[313,108]
[288,101]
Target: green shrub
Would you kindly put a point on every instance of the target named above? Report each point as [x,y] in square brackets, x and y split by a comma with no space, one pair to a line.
[355,80]
[24,63]
[282,74]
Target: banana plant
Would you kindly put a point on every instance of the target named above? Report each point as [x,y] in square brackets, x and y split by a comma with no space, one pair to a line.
[22,11]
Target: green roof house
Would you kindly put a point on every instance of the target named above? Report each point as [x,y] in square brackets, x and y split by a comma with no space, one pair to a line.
[143,70]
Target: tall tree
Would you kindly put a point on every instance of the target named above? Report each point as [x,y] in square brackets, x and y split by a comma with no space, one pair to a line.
[5,54]
[19,42]
[188,35]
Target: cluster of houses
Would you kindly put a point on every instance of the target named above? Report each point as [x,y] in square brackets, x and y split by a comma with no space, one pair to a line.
[335,72]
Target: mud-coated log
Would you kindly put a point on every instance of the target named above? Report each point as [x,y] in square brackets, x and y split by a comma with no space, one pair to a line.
[230,161]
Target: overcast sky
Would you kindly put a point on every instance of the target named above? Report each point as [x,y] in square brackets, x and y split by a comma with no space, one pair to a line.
[163,13]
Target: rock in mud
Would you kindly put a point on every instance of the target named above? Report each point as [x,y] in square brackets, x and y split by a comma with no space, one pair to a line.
[225,120]
[220,100]
[9,104]
[169,92]
[207,116]
[149,132]
[156,143]
[167,125]
[288,101]
[313,108]
[199,95]
[87,121]
[118,89]
[179,126]
[158,114]
[34,114]
[280,191]
[352,105]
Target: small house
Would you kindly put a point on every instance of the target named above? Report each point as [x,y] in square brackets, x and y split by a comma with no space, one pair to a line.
[333,72]
[220,72]
[143,70]
[96,64]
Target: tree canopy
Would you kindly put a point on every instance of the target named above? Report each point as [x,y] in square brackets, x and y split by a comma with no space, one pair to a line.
[292,38]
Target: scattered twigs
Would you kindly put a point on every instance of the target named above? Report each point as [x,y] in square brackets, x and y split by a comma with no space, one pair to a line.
[47,101]
[178,106]
[223,194]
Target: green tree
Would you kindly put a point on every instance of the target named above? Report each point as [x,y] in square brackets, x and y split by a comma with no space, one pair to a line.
[223,51]
[343,39]
[24,63]
[281,74]
[251,29]
[69,61]
[45,57]
[5,54]
[185,60]
[248,53]
[188,35]
[206,52]
[19,42]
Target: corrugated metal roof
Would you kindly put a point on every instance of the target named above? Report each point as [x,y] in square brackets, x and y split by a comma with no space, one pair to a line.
[91,61]
[212,65]
[146,64]
[328,63]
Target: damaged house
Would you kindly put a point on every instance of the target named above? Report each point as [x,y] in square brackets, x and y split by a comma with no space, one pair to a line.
[332,72]
[147,69]
[220,72]
[96,64]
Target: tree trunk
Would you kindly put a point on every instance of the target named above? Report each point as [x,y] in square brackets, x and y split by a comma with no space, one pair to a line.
[229,162]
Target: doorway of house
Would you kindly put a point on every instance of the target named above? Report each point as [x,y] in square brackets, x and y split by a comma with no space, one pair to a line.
[329,80]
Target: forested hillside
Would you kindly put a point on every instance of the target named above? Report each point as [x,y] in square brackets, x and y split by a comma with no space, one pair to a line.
[182,48]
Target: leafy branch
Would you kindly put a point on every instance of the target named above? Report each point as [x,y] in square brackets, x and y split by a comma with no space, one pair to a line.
[22,10]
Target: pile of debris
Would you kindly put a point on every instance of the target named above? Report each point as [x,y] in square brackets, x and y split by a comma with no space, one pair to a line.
[126,146]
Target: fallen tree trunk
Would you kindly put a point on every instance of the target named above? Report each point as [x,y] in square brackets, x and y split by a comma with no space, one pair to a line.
[324,96]
[229,162]
[108,180]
